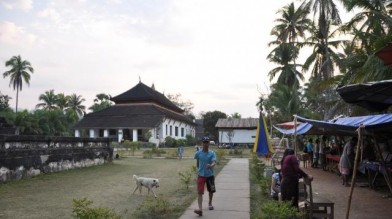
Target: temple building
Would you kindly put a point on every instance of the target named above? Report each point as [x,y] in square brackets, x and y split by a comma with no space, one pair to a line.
[139,113]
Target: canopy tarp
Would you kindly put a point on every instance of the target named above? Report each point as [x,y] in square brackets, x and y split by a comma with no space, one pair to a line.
[343,126]
[385,54]
[374,96]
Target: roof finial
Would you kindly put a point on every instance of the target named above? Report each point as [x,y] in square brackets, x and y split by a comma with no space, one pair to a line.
[140,80]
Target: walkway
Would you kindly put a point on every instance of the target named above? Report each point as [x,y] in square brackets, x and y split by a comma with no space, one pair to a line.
[231,199]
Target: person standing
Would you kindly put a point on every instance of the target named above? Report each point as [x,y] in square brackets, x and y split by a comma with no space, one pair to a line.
[347,160]
[309,150]
[316,154]
[180,151]
[291,172]
[275,184]
[322,150]
[206,163]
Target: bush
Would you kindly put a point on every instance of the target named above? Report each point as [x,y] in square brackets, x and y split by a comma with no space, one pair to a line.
[159,207]
[220,153]
[279,210]
[170,142]
[82,210]
[186,177]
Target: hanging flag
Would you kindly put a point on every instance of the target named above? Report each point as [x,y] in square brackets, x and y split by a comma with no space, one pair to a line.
[262,145]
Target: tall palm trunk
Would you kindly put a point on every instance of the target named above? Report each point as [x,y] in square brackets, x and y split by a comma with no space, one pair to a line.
[17,97]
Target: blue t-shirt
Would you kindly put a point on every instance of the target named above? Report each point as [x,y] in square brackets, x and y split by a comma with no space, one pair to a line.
[205,158]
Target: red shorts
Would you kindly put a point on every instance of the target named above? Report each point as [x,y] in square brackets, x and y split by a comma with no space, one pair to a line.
[202,181]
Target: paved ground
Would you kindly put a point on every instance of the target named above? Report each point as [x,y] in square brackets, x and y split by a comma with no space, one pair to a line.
[232,197]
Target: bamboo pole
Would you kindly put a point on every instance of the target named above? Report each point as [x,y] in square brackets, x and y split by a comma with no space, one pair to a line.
[295,135]
[359,145]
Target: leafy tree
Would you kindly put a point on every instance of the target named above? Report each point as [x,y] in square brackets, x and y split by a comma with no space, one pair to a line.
[19,72]
[209,122]
[4,99]
[186,105]
[102,101]
[235,115]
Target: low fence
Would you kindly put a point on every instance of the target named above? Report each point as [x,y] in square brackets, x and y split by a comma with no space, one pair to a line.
[28,156]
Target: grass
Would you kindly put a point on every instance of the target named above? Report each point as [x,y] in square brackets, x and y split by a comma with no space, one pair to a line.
[109,185]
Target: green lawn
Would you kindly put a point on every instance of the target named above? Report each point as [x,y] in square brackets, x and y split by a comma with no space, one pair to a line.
[109,185]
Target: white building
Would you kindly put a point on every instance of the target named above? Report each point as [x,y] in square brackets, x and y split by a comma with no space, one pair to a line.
[237,131]
[137,111]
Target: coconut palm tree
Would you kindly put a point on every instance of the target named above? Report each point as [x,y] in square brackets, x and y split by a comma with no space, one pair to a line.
[287,72]
[62,101]
[75,104]
[284,101]
[292,24]
[49,101]
[20,71]
[323,58]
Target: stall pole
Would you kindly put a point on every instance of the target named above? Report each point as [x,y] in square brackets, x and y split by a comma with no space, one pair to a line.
[359,145]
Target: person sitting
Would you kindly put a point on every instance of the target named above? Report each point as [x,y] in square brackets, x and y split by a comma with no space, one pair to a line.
[275,184]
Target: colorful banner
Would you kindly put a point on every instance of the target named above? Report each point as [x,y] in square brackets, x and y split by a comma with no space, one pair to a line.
[262,145]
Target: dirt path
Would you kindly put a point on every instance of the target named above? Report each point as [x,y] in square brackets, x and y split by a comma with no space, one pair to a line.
[365,204]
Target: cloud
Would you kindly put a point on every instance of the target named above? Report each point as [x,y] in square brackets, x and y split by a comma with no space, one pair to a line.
[24,5]
[12,34]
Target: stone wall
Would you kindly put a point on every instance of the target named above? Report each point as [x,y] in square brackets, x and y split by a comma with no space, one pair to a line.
[28,156]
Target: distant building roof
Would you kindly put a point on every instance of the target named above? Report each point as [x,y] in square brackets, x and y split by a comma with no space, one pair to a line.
[139,107]
[248,123]
[142,93]
[130,115]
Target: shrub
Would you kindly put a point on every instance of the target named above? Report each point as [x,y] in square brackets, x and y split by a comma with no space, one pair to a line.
[220,153]
[186,177]
[82,210]
[151,207]
[170,142]
[279,210]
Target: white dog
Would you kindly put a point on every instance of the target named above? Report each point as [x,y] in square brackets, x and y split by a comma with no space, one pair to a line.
[149,183]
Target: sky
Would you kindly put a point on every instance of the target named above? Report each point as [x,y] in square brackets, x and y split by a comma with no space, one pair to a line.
[212,52]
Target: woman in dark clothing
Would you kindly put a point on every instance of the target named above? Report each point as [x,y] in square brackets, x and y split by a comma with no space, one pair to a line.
[291,172]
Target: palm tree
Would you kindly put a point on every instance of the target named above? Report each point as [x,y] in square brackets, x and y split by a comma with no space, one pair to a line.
[62,101]
[49,99]
[19,72]
[284,102]
[283,55]
[75,104]
[323,57]
[292,24]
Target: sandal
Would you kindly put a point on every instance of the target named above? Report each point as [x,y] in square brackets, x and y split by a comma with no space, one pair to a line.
[210,207]
[199,212]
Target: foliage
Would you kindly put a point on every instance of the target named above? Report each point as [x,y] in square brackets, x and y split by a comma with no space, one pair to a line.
[102,101]
[4,99]
[82,210]
[186,105]
[278,210]
[159,207]
[209,122]
[188,176]
[147,135]
[170,142]
[132,145]
[190,140]
[220,153]
[19,72]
